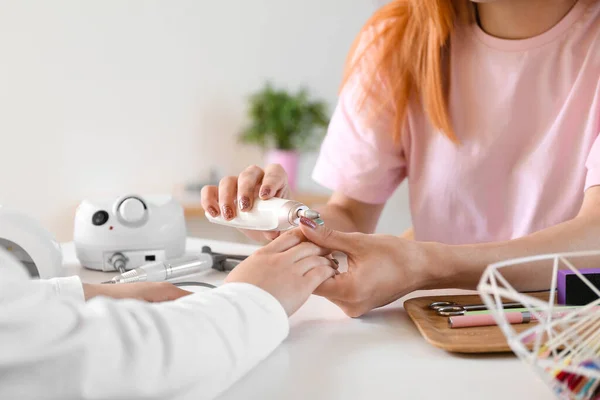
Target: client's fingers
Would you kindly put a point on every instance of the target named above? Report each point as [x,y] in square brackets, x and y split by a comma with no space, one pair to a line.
[317,276]
[308,263]
[285,241]
[306,249]
[334,262]
[340,288]
[272,235]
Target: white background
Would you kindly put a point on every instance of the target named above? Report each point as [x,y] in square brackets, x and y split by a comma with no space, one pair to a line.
[116,96]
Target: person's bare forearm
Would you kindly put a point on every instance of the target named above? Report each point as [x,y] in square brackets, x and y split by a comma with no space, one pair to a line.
[345,214]
[338,218]
[462,266]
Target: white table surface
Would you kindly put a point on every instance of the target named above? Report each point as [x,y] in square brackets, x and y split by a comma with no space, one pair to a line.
[379,356]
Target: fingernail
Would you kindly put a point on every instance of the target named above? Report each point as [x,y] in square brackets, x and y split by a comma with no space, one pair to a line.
[308,222]
[213,213]
[244,203]
[264,192]
[227,212]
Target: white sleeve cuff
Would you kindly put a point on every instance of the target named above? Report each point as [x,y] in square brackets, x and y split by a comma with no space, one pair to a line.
[260,297]
[70,287]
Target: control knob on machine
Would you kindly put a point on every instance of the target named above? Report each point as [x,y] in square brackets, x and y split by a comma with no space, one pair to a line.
[132,210]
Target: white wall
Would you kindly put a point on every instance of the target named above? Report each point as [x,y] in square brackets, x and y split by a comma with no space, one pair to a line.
[112,96]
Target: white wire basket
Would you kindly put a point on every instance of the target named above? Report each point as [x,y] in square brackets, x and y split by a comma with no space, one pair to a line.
[562,344]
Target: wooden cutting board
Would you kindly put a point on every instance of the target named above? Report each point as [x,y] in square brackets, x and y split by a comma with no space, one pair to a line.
[435,329]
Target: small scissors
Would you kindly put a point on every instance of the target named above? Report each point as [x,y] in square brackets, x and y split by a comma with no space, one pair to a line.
[450,308]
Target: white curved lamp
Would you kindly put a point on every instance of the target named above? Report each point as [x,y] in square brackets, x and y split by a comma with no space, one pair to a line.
[30,243]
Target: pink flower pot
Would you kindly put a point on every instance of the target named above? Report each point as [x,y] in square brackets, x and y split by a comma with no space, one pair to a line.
[288,159]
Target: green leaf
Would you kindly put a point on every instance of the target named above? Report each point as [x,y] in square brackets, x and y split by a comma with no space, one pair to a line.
[288,121]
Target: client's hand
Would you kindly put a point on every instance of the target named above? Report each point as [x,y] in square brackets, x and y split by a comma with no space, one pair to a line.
[153,292]
[289,268]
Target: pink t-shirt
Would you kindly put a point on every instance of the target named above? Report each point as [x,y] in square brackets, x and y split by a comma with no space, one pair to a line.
[527,114]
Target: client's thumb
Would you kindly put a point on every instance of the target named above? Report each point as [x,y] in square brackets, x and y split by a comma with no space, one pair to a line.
[326,237]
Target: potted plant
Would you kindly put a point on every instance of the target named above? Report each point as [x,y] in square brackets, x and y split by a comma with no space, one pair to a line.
[284,124]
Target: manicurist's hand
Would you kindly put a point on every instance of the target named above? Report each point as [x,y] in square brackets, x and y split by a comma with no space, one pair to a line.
[289,268]
[153,292]
[236,194]
[381,268]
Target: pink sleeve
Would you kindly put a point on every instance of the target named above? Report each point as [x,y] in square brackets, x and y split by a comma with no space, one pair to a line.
[359,157]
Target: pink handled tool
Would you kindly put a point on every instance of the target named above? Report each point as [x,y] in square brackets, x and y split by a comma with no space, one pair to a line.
[468,321]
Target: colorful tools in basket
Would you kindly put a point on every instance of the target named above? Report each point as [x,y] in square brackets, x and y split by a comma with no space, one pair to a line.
[581,386]
[574,369]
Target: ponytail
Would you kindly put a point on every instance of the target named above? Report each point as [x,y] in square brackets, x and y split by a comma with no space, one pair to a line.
[406,56]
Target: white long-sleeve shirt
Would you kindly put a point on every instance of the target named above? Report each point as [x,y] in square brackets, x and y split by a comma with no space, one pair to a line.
[54,345]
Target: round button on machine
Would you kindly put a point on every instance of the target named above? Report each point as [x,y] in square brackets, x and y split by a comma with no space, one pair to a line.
[132,210]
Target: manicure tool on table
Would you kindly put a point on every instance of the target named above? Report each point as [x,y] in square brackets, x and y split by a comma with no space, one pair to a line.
[180,267]
[449,308]
[512,316]
[469,321]
[557,308]
[521,317]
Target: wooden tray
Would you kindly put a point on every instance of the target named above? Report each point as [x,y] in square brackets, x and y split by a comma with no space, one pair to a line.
[435,329]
